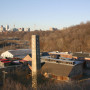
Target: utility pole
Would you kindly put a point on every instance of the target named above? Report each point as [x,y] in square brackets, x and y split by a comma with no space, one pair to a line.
[36,64]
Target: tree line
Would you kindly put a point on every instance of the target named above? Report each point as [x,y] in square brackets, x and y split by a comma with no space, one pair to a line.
[74,38]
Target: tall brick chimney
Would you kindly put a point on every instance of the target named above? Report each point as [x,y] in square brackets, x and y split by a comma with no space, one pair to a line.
[36,64]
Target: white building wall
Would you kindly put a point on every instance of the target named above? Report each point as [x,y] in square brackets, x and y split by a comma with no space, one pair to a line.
[7,27]
[6,54]
[27,29]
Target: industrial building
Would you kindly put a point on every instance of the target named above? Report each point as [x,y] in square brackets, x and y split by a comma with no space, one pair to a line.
[4,63]
[60,54]
[19,53]
[58,65]
[28,57]
[63,69]
[83,56]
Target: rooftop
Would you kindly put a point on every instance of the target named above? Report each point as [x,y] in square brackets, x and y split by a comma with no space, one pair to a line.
[81,54]
[57,69]
[20,53]
[58,53]
[66,61]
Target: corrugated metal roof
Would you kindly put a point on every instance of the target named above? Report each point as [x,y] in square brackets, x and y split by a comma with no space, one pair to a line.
[80,54]
[58,53]
[20,53]
[57,69]
[74,62]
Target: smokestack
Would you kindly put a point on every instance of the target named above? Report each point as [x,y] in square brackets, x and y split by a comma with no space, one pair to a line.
[36,64]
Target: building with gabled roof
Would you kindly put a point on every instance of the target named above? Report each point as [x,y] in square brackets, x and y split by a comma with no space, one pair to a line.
[28,57]
[62,69]
[60,54]
[19,53]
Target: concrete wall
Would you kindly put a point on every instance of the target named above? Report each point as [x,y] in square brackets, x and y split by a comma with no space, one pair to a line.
[61,55]
[1,64]
[62,71]
[88,63]
[77,71]
[66,56]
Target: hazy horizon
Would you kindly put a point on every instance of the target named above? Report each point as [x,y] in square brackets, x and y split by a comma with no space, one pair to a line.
[43,14]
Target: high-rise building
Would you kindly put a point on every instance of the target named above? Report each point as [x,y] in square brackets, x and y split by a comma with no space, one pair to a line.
[27,30]
[7,27]
[53,29]
[14,29]
[1,28]
[21,29]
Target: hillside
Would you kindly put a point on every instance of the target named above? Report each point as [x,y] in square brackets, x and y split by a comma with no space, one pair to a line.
[74,38]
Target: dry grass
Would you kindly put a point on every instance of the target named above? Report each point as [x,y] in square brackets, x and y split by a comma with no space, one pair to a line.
[12,85]
[21,80]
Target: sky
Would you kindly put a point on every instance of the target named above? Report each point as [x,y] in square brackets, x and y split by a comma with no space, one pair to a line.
[43,14]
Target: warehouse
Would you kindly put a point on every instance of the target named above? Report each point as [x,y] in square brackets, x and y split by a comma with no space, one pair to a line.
[63,69]
[58,55]
[28,57]
[19,53]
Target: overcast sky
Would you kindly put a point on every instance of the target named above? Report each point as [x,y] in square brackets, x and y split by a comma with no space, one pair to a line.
[43,14]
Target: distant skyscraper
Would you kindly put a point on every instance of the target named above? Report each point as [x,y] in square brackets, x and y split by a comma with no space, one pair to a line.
[1,28]
[7,27]
[22,29]
[53,29]
[1,25]
[27,30]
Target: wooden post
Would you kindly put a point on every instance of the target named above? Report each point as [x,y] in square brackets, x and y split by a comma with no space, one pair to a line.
[4,73]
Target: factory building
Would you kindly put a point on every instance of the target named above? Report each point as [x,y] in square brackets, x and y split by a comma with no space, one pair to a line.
[28,57]
[19,53]
[60,54]
[63,69]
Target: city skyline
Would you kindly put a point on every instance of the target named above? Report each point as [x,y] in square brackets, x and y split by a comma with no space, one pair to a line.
[44,14]
[14,29]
